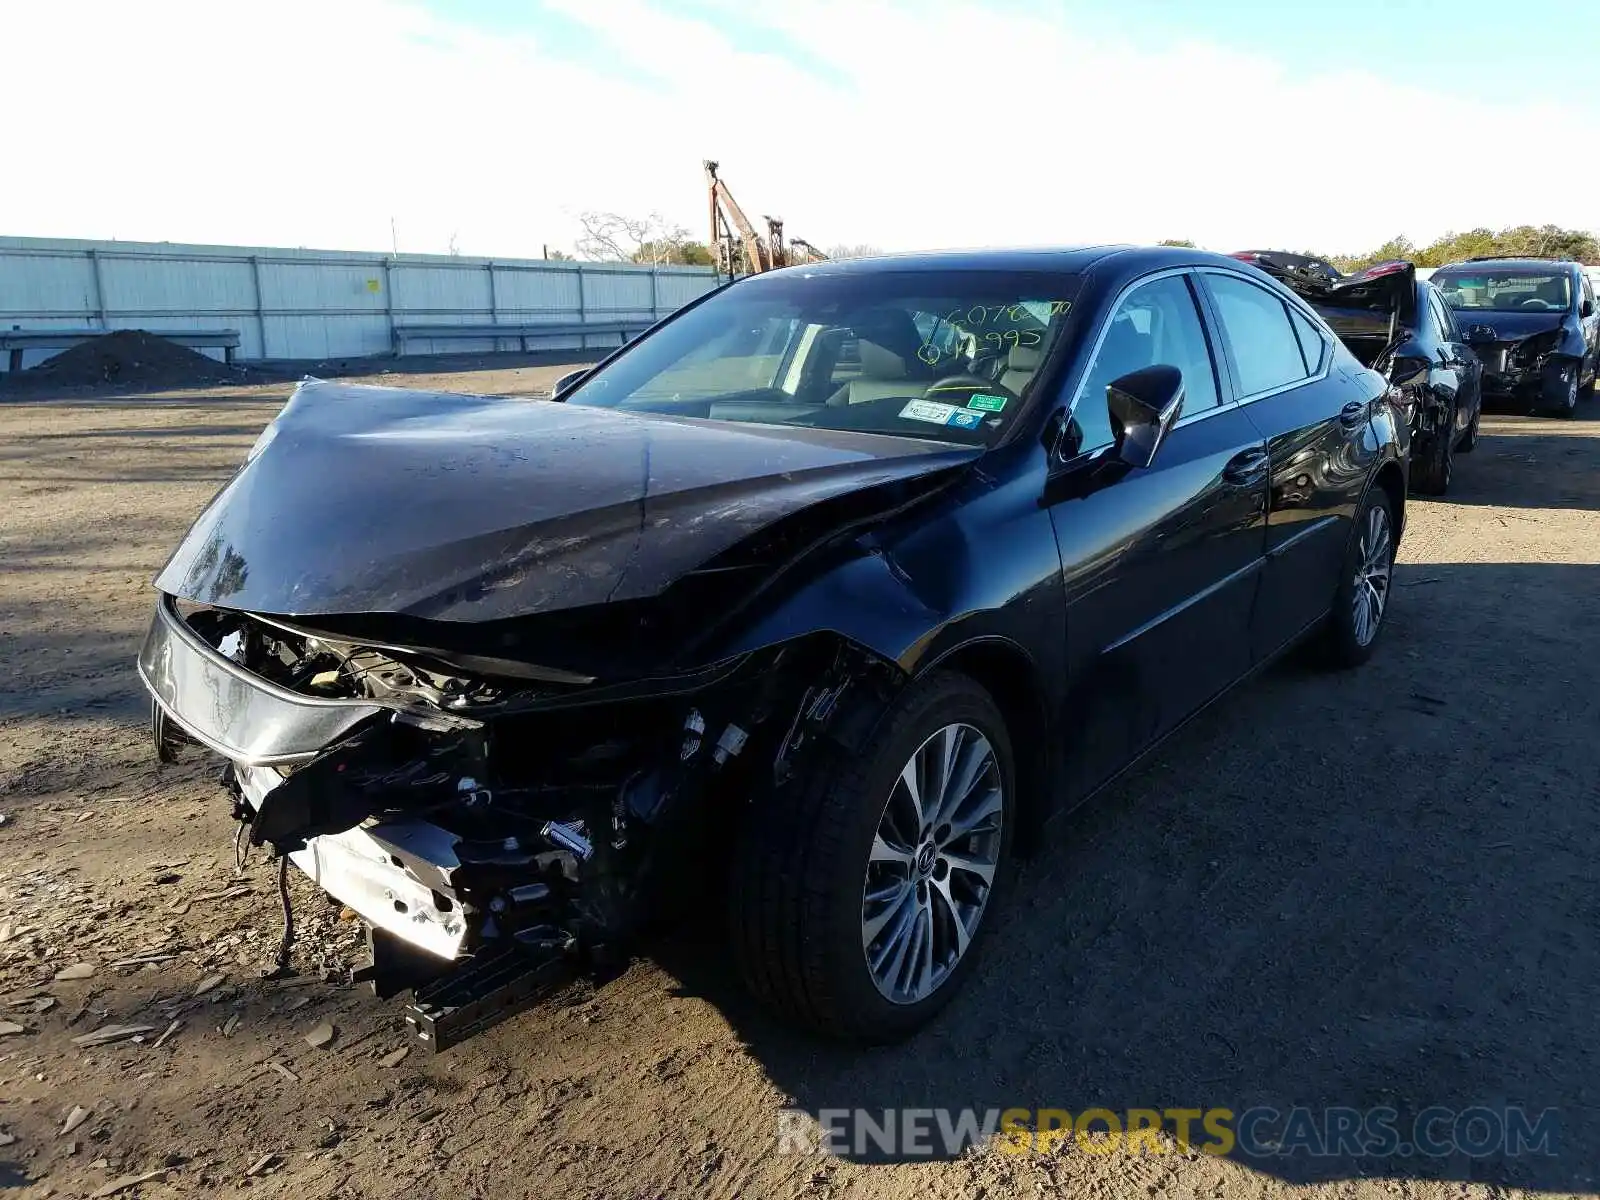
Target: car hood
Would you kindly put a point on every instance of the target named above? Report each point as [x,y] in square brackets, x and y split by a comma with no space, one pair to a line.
[1511,327]
[474,508]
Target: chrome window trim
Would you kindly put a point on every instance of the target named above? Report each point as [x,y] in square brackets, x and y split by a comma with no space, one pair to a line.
[1223,403]
[1268,393]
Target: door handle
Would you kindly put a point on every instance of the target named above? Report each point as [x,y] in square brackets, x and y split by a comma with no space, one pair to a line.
[1248,466]
[1353,413]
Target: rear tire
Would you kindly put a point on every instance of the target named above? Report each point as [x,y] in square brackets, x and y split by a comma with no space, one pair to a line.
[1469,440]
[1366,578]
[1431,474]
[829,871]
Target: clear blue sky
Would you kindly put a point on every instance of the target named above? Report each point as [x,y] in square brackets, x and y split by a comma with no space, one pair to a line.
[492,126]
[1465,45]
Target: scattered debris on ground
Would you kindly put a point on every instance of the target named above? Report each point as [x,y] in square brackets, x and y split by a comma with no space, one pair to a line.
[1205,936]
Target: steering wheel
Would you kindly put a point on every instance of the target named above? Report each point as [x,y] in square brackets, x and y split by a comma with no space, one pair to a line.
[1542,305]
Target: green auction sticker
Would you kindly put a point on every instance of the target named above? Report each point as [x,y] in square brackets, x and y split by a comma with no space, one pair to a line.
[987,403]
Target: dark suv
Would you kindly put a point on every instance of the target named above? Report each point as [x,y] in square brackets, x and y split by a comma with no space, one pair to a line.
[1533,323]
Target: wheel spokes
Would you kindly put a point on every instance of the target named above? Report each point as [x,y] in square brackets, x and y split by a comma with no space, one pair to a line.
[913,788]
[986,805]
[891,901]
[967,864]
[975,761]
[1374,549]
[932,863]
[959,934]
[884,852]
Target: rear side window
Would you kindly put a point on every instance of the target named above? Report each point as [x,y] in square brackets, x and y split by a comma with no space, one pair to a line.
[1266,351]
[1313,346]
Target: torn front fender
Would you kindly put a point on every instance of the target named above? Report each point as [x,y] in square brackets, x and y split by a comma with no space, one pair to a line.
[980,564]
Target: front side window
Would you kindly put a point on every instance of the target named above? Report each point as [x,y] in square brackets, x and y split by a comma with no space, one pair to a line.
[1156,324]
[949,355]
[1266,351]
[1490,290]
[1441,315]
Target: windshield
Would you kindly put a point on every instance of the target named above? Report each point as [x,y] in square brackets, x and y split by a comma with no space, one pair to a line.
[1505,291]
[945,355]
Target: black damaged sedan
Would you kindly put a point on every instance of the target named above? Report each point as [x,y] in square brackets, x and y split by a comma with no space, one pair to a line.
[814,603]
[1400,326]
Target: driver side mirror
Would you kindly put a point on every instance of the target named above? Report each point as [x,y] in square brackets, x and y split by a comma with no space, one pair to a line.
[1586,309]
[567,382]
[1144,405]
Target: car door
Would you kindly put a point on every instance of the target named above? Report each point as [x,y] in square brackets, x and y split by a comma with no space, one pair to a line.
[1589,317]
[1160,563]
[1458,361]
[1316,420]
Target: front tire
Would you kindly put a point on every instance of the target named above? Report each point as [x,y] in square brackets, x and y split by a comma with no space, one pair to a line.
[862,894]
[1559,396]
[1366,578]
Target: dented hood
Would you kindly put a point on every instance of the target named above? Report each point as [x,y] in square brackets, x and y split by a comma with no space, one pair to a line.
[1508,327]
[474,508]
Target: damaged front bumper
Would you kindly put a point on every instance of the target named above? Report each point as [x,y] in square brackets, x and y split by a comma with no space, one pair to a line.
[485,852]
[1527,371]
[394,874]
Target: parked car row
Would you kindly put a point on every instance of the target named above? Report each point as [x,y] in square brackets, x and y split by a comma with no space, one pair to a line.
[1519,330]
[834,589]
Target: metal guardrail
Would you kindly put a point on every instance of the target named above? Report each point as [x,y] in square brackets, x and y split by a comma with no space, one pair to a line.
[306,304]
[522,332]
[19,340]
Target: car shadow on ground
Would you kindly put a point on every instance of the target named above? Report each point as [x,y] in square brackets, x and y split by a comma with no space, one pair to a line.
[1366,890]
[1531,462]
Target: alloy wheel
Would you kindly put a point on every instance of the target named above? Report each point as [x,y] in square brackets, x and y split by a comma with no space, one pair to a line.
[932,865]
[1374,567]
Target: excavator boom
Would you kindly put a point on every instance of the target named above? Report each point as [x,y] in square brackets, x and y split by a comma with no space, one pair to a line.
[734,238]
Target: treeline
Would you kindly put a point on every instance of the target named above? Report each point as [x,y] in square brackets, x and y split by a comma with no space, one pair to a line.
[1534,241]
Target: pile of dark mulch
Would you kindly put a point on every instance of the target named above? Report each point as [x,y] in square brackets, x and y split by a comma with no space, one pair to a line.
[131,358]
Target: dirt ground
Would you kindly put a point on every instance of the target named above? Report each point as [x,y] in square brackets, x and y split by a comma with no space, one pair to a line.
[1372,888]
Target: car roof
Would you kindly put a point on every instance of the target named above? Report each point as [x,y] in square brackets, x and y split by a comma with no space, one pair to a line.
[1065,259]
[1519,264]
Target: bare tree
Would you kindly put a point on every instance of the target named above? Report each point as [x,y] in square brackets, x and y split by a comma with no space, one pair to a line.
[614,237]
[860,250]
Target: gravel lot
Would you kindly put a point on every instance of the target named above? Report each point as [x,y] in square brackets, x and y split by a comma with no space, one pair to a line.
[1372,888]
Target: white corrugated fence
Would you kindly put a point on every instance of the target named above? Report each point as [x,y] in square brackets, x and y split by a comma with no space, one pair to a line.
[316,304]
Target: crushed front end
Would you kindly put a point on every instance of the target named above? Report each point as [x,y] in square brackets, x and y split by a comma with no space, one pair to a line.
[494,833]
[1530,369]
